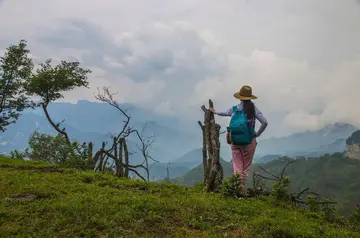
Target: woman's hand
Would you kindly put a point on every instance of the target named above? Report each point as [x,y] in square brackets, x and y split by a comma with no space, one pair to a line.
[212,110]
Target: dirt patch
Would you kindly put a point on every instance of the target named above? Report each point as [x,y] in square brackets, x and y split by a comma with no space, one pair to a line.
[51,170]
[43,170]
[24,197]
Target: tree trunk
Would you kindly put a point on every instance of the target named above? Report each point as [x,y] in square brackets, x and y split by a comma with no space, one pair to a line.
[116,157]
[214,171]
[102,155]
[126,153]
[90,155]
[105,162]
[96,159]
[121,167]
[204,153]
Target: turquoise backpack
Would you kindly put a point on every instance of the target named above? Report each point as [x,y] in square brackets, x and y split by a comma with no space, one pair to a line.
[241,133]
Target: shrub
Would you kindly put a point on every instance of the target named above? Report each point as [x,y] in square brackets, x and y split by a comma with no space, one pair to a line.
[355,216]
[55,150]
[233,186]
[280,189]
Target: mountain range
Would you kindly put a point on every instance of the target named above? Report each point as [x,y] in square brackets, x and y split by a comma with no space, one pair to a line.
[93,121]
[329,139]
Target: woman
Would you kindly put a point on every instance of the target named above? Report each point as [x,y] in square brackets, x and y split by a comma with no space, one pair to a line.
[242,155]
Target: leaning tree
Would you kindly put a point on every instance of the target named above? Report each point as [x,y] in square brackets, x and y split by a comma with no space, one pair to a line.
[50,82]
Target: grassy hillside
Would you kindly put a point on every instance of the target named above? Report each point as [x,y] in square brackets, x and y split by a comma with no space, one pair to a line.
[42,201]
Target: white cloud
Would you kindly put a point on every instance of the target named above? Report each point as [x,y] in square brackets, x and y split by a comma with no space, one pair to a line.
[293,88]
[301,120]
[301,57]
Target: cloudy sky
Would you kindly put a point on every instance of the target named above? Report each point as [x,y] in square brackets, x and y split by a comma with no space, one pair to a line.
[302,58]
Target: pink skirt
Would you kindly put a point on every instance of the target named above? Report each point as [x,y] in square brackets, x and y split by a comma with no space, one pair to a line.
[242,157]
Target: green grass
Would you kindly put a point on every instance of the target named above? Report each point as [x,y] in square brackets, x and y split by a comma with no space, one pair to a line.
[71,203]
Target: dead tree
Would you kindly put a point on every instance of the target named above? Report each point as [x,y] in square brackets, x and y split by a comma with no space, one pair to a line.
[90,152]
[145,144]
[204,153]
[126,155]
[99,159]
[118,152]
[213,171]
[168,172]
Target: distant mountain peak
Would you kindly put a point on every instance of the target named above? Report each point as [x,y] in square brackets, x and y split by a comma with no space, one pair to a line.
[331,138]
[336,128]
[85,101]
[339,124]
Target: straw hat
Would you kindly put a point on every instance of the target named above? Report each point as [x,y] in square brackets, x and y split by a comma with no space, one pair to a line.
[245,93]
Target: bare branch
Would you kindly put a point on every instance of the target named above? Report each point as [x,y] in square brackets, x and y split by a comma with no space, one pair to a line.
[55,126]
[204,108]
[137,166]
[105,95]
[283,171]
[261,176]
[276,177]
[146,143]
[201,125]
[302,192]
[137,173]
[108,97]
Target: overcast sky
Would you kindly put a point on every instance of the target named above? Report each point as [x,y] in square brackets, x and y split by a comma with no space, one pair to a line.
[302,58]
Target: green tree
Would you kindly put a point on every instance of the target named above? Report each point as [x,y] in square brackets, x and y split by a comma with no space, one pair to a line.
[50,82]
[15,69]
[56,150]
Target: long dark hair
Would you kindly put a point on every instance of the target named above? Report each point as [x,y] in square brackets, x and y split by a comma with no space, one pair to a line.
[249,108]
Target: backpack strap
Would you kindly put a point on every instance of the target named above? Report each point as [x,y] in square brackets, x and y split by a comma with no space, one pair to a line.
[234,108]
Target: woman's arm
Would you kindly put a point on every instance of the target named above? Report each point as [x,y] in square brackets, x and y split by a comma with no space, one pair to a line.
[227,113]
[263,121]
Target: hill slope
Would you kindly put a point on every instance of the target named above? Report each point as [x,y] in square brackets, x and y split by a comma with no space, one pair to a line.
[334,176]
[40,201]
